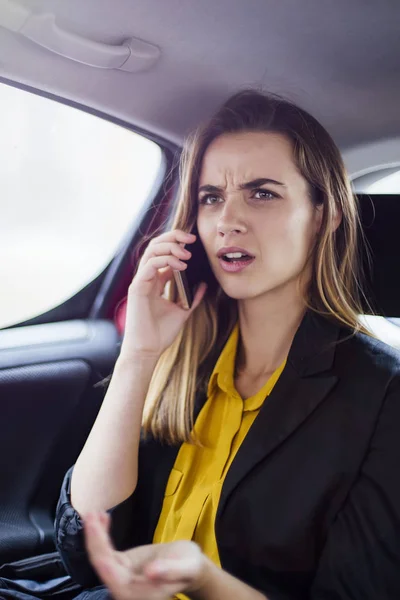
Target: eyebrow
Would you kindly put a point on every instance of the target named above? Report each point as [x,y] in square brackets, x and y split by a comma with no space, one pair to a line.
[248,185]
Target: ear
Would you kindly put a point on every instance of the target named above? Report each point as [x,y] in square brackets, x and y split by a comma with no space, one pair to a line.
[337,217]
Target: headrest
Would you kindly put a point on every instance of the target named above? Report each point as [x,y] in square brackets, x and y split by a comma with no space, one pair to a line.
[380,218]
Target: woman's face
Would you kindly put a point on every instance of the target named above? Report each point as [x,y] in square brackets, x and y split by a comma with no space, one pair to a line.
[252,199]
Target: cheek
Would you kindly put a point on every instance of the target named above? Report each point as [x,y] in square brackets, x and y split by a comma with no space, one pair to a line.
[292,234]
[303,228]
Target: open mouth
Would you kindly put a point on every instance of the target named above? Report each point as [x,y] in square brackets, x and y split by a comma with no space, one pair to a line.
[234,262]
[232,257]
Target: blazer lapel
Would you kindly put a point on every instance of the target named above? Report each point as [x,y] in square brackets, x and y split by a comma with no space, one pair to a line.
[303,385]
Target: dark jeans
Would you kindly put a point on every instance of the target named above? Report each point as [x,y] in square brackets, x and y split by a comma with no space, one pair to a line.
[11,593]
[97,593]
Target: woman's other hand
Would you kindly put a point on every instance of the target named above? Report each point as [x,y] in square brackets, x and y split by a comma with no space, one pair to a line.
[153,572]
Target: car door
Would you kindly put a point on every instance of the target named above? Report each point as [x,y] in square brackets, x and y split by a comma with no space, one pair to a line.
[80,194]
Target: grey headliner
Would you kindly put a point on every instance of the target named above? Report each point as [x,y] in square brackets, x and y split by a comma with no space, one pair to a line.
[339,59]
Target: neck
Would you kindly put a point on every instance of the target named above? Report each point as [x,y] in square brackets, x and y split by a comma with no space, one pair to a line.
[267,327]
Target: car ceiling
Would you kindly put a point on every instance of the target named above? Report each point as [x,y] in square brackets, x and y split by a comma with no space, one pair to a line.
[339,59]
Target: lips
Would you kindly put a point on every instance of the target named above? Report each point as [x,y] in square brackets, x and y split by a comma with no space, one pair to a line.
[235,266]
[233,250]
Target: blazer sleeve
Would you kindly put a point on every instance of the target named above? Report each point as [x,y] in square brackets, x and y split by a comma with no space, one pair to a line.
[361,557]
[69,537]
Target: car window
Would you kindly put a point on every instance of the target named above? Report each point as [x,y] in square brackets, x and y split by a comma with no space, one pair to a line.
[72,185]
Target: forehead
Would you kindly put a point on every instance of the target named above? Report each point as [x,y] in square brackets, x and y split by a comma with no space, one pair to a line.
[248,155]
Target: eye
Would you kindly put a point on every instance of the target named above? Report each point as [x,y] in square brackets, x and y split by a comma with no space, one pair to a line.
[262,194]
[209,199]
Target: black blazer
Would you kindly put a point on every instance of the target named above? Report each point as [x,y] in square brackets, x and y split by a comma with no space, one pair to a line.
[310,508]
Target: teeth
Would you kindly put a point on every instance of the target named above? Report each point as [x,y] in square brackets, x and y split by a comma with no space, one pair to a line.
[235,255]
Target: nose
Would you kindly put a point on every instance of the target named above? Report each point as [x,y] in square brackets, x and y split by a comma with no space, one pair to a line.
[231,219]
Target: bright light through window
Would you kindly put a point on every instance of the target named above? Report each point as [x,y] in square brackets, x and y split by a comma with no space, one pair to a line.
[72,185]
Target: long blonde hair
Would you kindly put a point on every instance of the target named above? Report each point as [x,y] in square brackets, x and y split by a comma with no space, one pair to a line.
[183,370]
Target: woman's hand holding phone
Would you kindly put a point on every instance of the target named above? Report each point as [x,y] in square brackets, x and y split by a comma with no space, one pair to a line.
[152,321]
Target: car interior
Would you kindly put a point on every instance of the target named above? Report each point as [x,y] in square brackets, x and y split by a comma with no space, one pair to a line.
[97,97]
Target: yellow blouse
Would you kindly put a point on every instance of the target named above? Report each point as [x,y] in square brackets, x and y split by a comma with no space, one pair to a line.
[194,486]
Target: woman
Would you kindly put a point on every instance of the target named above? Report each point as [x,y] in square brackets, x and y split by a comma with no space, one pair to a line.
[248,447]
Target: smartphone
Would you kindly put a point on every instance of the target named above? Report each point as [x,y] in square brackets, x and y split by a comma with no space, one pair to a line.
[198,270]
[184,291]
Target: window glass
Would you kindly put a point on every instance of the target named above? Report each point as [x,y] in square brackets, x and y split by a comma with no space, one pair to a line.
[72,185]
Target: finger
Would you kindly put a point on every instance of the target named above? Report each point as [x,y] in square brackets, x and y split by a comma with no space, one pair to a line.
[166,248]
[176,235]
[151,268]
[183,569]
[96,535]
[101,553]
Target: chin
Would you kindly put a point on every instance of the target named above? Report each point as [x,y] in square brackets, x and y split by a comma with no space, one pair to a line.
[241,291]
[238,295]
